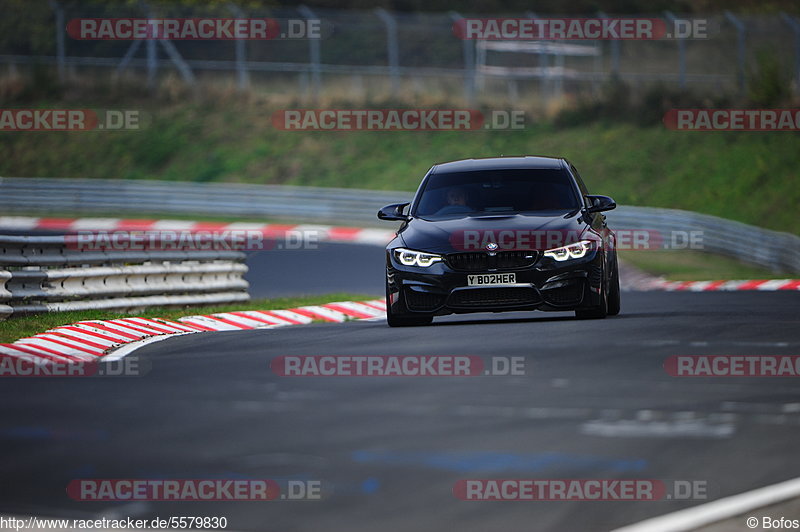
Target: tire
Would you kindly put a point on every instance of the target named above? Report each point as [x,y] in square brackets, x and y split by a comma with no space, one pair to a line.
[613,292]
[393,320]
[599,312]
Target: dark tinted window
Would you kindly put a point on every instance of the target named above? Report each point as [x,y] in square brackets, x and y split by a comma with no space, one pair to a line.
[581,184]
[579,180]
[496,192]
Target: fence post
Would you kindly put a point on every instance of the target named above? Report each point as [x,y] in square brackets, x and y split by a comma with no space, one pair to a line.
[615,44]
[152,63]
[740,46]
[129,53]
[180,64]
[151,51]
[242,78]
[544,64]
[58,11]
[681,52]
[792,22]
[314,51]
[392,47]
[468,52]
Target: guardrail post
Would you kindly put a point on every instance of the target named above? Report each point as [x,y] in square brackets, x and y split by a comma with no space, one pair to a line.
[681,52]
[792,22]
[392,48]
[58,11]
[468,53]
[242,76]
[5,295]
[315,53]
[740,47]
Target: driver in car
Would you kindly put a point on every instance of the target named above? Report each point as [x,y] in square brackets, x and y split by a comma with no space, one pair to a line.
[457,198]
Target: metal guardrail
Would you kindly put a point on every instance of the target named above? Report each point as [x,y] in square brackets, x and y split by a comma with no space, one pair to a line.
[93,196]
[776,251]
[45,274]
[770,249]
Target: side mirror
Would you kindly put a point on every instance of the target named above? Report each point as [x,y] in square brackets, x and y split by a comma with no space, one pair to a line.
[600,204]
[394,212]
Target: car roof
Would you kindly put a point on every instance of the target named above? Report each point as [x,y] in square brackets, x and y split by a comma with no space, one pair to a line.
[499,163]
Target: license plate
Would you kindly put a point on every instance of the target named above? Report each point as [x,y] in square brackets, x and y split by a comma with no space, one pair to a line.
[491,279]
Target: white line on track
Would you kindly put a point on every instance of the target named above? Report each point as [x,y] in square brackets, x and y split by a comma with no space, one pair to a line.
[719,510]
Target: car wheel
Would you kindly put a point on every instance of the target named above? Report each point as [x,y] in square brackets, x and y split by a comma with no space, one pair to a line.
[599,312]
[393,320]
[613,292]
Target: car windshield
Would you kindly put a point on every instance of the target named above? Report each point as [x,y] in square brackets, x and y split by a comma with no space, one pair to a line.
[477,193]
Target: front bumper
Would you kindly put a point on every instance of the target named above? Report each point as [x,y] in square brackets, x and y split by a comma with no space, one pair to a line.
[546,285]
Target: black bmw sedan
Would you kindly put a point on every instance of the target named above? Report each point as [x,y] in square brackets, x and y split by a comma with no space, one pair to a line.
[501,234]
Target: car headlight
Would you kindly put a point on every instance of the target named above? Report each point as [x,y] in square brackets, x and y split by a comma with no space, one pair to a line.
[408,257]
[573,251]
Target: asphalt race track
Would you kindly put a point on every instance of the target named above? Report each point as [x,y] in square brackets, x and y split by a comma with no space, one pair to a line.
[595,402]
[351,268]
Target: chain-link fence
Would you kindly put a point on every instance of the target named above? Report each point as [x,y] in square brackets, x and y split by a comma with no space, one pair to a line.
[364,54]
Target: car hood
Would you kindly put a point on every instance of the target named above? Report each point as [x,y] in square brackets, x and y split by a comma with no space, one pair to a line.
[472,233]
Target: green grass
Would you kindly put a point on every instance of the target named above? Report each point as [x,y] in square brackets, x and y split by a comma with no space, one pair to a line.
[696,266]
[738,175]
[23,326]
